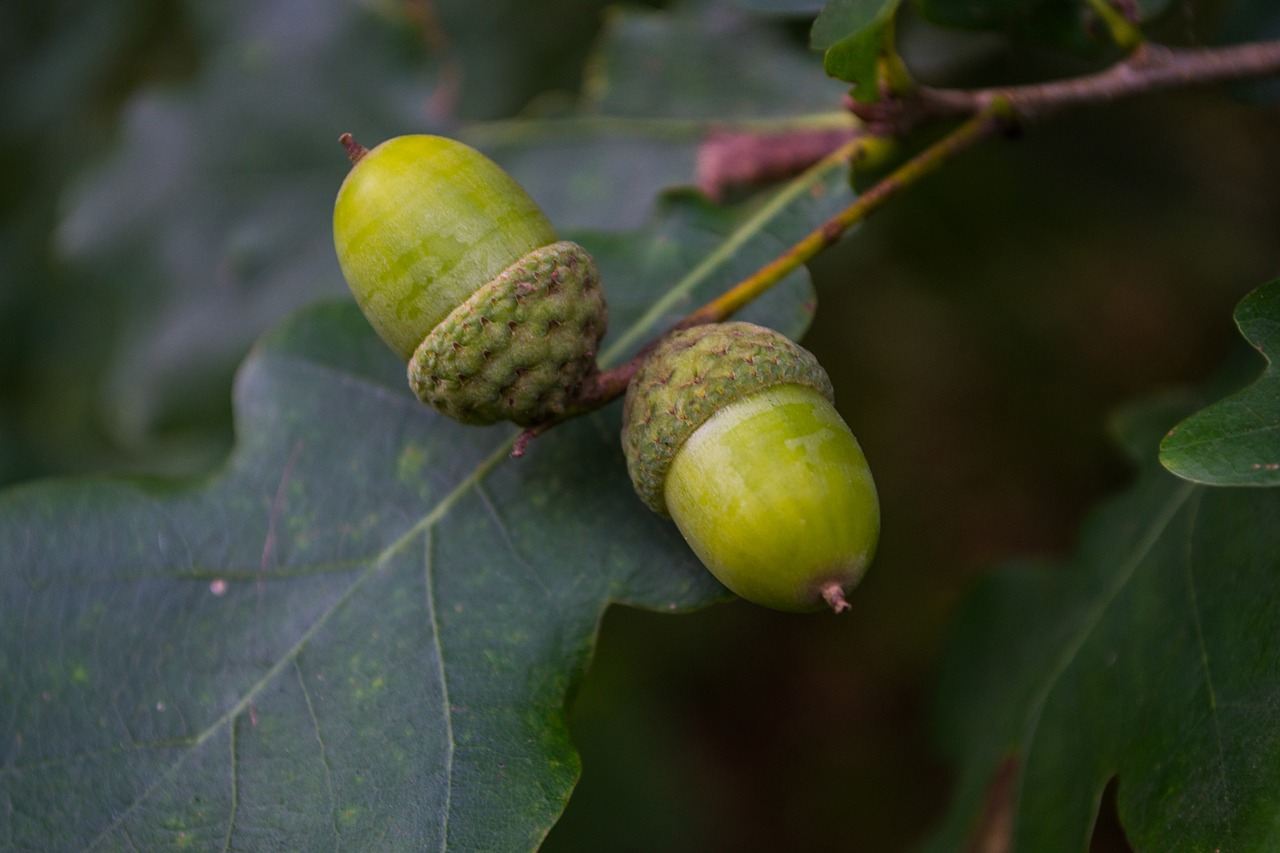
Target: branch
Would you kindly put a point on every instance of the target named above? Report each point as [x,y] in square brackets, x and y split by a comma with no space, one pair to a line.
[606,386]
[1149,68]
[992,118]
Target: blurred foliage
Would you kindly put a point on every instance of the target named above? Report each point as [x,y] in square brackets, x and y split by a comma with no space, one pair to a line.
[979,330]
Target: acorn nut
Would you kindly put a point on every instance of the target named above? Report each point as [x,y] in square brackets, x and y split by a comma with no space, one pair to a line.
[730,430]
[462,275]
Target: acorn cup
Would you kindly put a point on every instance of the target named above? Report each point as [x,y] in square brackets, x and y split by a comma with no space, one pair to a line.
[730,430]
[462,275]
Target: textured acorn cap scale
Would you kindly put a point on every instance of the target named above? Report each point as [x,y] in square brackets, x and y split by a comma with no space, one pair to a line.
[690,376]
[520,346]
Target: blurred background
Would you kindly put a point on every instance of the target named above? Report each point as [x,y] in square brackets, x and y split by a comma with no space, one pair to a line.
[166,198]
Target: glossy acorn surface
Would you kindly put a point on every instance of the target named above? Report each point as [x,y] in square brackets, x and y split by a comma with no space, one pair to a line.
[419,223]
[731,431]
[774,495]
[460,273]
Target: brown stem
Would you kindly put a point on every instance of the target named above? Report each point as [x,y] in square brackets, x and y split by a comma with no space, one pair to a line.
[833,595]
[355,151]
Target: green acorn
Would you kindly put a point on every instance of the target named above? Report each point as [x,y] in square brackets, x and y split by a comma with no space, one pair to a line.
[730,430]
[462,275]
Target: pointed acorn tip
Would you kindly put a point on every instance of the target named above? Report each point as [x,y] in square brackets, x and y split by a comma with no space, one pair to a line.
[833,594]
[355,151]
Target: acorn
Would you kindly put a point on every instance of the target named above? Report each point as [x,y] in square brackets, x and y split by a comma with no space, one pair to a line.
[463,276]
[730,430]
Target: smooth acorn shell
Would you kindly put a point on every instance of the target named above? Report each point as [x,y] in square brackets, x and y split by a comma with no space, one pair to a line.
[774,495]
[730,429]
[419,224]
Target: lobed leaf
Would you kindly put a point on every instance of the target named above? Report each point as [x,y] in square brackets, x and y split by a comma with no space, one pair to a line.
[1236,441]
[363,631]
[1149,657]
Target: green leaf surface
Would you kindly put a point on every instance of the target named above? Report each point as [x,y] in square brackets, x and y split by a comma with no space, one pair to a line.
[1236,441]
[803,8]
[660,82]
[1058,22]
[1148,9]
[706,62]
[1150,656]
[852,34]
[364,630]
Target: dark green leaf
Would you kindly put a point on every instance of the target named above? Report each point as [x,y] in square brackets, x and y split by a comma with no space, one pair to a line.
[703,64]
[658,85]
[1250,20]
[364,630]
[843,19]
[1150,656]
[804,8]
[1059,22]
[1236,441]
[852,33]
[1253,20]
[1148,9]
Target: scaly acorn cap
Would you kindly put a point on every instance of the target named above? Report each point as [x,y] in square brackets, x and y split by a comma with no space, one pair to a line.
[519,347]
[690,376]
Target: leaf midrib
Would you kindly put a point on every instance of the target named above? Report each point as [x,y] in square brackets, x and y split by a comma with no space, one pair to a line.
[1143,547]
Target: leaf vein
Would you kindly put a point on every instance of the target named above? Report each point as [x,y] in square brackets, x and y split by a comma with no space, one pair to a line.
[235,788]
[505,532]
[1194,602]
[228,718]
[732,242]
[324,755]
[1140,550]
[446,707]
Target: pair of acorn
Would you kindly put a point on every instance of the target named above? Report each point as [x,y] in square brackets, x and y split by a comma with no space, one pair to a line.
[728,428]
